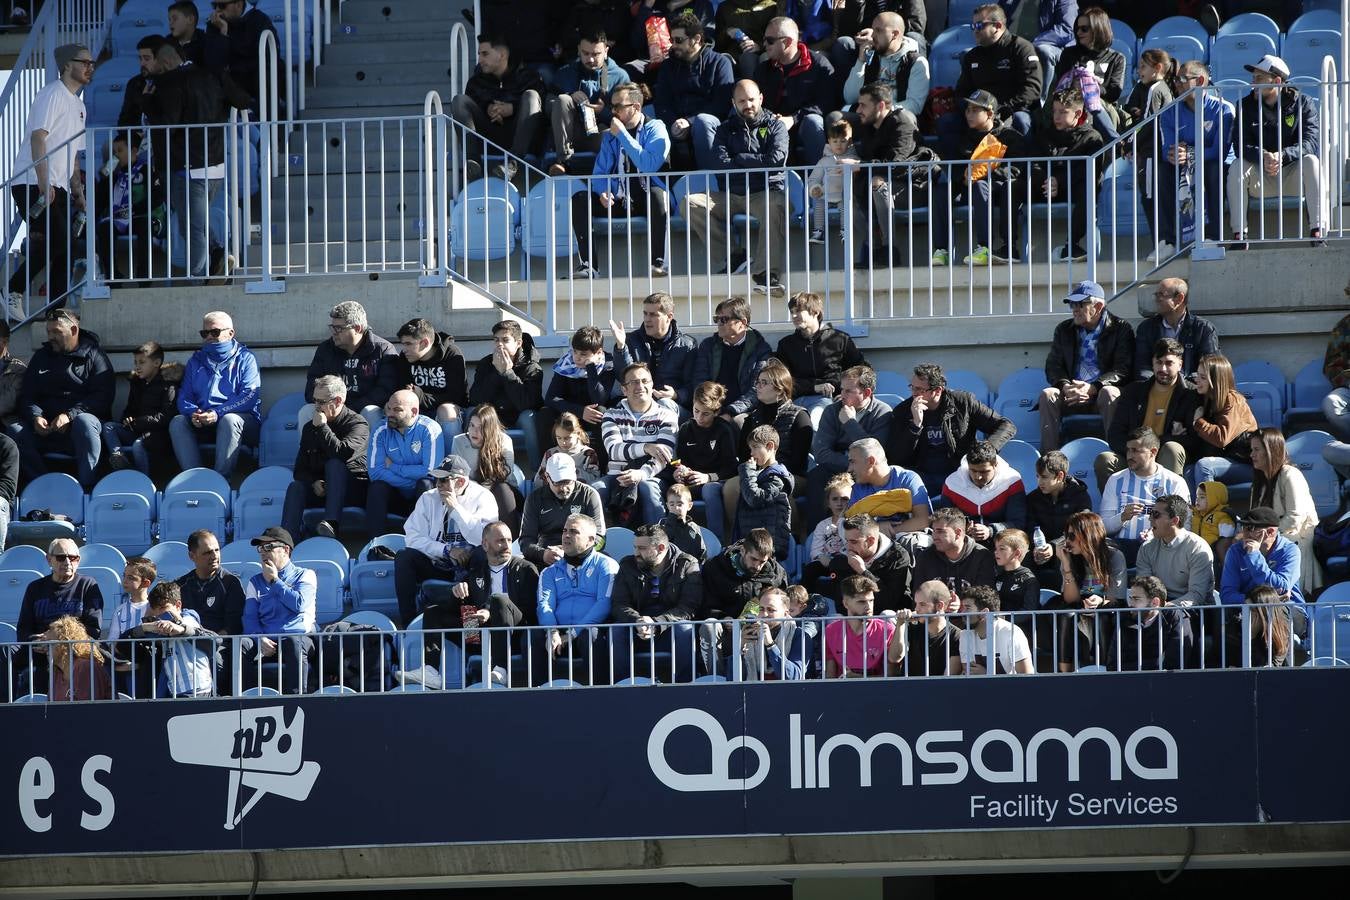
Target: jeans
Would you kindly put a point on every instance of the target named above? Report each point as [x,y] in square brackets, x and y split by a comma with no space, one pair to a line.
[810,139]
[190,199]
[340,489]
[648,497]
[232,431]
[634,656]
[411,568]
[586,658]
[530,437]
[80,439]
[119,437]
[1336,407]
[714,510]
[1224,471]
[702,131]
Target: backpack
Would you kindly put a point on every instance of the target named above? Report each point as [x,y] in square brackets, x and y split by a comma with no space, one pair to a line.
[941,100]
[356,656]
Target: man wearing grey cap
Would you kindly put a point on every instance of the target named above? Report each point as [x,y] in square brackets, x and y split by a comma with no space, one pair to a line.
[446,524]
[547,509]
[1277,144]
[1091,358]
[46,183]
[1260,555]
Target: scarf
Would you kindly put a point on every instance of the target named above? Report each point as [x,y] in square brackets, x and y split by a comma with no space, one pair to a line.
[567,367]
[219,353]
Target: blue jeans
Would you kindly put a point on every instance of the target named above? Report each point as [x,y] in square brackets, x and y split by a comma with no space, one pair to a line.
[231,432]
[190,199]
[119,437]
[530,437]
[714,509]
[1224,471]
[810,139]
[340,488]
[635,657]
[648,494]
[80,439]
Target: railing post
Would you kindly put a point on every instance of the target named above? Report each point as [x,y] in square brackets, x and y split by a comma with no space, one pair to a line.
[847,228]
[1093,229]
[94,287]
[551,261]
[433,188]
[1200,247]
[267,159]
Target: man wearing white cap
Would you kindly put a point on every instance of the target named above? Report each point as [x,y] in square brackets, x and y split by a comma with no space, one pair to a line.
[1277,145]
[1091,358]
[546,510]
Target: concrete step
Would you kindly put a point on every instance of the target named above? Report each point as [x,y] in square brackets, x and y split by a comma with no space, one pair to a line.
[352,50]
[374,99]
[361,112]
[326,148]
[360,76]
[372,12]
[335,186]
[390,32]
[390,252]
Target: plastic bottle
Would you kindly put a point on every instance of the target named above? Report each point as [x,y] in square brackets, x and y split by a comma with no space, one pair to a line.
[1038,537]
[738,35]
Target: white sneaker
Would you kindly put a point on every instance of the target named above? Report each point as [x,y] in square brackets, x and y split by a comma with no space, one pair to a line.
[1164,251]
[817,237]
[498,675]
[14,306]
[427,676]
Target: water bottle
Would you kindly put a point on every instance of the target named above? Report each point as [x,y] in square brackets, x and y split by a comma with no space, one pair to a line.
[1038,538]
[77,227]
[738,35]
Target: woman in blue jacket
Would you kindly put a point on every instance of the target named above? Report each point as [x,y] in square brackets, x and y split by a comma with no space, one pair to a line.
[632,151]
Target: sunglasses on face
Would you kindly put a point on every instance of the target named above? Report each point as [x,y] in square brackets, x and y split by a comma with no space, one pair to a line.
[724,320]
[212,333]
[66,557]
[981,26]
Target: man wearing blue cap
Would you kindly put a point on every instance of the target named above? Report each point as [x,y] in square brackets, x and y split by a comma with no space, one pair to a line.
[1090,360]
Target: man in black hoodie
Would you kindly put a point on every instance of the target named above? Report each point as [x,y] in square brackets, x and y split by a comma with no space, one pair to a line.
[230,45]
[511,379]
[1058,495]
[503,102]
[66,396]
[1071,138]
[955,559]
[886,134]
[360,357]
[432,367]
[816,353]
[657,590]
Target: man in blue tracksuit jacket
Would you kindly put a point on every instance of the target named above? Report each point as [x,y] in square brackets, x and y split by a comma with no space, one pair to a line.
[279,601]
[1182,150]
[402,452]
[574,596]
[220,398]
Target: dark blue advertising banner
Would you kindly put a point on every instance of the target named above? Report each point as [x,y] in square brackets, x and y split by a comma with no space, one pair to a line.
[470,766]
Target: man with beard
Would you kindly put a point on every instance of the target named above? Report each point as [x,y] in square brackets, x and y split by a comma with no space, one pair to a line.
[574,596]
[657,591]
[1164,403]
[956,558]
[432,367]
[547,511]
[693,92]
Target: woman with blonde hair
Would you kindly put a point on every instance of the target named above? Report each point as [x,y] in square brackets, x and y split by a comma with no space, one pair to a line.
[1281,486]
[1222,425]
[79,668]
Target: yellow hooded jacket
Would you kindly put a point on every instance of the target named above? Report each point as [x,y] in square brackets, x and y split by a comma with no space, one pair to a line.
[1207,524]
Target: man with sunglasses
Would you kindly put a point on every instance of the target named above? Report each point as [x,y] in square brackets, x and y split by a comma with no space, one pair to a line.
[1182,559]
[280,604]
[1091,358]
[799,87]
[47,181]
[220,399]
[62,593]
[447,522]
[231,42]
[66,397]
[1001,63]
[1260,555]
[693,92]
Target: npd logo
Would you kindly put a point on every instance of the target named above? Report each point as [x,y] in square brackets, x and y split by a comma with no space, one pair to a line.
[262,750]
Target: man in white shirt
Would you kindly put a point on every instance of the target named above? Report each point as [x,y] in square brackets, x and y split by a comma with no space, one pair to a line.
[46,181]
[446,524]
[1128,495]
[1009,645]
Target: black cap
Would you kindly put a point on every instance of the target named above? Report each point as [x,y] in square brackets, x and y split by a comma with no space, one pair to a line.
[273,534]
[1260,517]
[453,466]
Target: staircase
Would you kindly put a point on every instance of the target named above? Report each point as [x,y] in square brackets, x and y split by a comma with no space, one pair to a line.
[350,190]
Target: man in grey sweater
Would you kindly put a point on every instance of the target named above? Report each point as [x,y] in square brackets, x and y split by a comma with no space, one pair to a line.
[1181,558]
[855,414]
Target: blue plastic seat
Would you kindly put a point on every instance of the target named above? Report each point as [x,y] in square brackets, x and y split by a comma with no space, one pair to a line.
[109,582]
[1305,454]
[31,698]
[1018,397]
[258,502]
[1304,51]
[1179,46]
[1234,50]
[170,558]
[107,91]
[330,562]
[944,56]
[1265,400]
[261,691]
[1323,16]
[280,433]
[484,220]
[618,542]
[241,558]
[128,29]
[197,498]
[963,380]
[711,542]
[123,509]
[104,555]
[56,492]
[1082,453]
[1331,622]
[1250,23]
[23,556]
[535,237]
[893,383]
[13,583]
[372,580]
[1306,392]
[1022,457]
[372,618]
[1178,25]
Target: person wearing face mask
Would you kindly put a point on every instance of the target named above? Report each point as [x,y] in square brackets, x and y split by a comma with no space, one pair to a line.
[547,509]
[657,591]
[1158,635]
[220,400]
[575,596]
[446,524]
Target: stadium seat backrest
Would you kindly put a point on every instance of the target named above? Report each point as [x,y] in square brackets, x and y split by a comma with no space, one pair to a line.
[1233,51]
[711,542]
[944,57]
[965,380]
[240,551]
[13,583]
[322,548]
[329,601]
[1251,23]
[8,633]
[1309,387]
[258,502]
[1179,46]
[372,580]
[1082,453]
[122,510]
[1305,454]
[1259,370]
[1331,622]
[280,439]
[109,585]
[619,542]
[1017,398]
[105,555]
[372,618]
[1123,32]
[1304,51]
[23,557]
[892,383]
[535,224]
[127,30]
[1022,457]
[197,498]
[1178,25]
[170,558]
[56,492]
[106,92]
[1265,400]
[481,228]
[1319,18]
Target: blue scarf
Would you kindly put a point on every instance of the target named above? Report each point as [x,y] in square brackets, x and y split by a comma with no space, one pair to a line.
[218,354]
[567,367]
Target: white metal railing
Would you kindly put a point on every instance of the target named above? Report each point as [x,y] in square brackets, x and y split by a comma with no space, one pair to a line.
[462,58]
[152,662]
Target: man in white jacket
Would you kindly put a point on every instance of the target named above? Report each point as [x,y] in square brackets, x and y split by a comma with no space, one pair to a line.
[446,524]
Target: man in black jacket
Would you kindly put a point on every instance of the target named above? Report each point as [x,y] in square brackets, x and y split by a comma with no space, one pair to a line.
[1175,320]
[935,427]
[132,114]
[432,367]
[1164,402]
[656,591]
[548,508]
[739,574]
[1071,175]
[499,592]
[693,93]
[956,559]
[183,31]
[666,350]
[361,358]
[1058,495]
[191,159]
[799,87]
[886,134]
[66,397]
[511,379]
[816,353]
[9,483]
[1002,63]
[1091,359]
[876,556]
[503,102]
[230,45]
[330,468]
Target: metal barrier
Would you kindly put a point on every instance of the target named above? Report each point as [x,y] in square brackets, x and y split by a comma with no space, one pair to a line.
[156,663]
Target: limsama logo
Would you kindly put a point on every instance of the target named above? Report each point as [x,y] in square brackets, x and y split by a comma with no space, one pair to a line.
[260,748]
[718,778]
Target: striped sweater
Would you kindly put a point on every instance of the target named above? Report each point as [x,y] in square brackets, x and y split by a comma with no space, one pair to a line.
[625,433]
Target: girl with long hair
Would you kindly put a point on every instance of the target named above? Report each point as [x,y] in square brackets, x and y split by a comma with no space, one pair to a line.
[1222,425]
[1093,569]
[490,454]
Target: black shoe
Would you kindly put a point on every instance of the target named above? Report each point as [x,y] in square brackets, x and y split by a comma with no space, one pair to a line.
[768,283]
[737,266]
